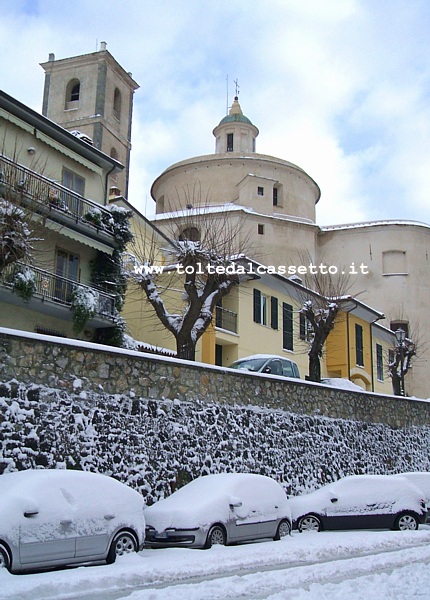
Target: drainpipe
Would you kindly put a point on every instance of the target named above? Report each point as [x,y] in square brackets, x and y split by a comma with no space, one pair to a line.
[108,174]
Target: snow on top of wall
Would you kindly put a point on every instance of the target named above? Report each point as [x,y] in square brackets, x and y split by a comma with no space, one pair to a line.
[374,224]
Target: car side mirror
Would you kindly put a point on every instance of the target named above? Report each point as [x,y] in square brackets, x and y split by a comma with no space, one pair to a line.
[235,505]
[31,513]
[333,500]
[267,370]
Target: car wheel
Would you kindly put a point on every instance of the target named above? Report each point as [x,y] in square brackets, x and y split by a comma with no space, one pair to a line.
[406,521]
[284,529]
[4,558]
[124,542]
[216,536]
[309,523]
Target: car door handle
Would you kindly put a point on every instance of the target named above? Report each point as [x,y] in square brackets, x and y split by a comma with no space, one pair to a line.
[66,522]
[109,517]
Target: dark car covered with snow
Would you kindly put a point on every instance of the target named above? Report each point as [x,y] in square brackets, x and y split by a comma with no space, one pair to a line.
[360,502]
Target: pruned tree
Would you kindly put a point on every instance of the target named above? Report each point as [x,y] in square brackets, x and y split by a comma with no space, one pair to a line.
[320,316]
[403,355]
[322,296]
[200,252]
[408,351]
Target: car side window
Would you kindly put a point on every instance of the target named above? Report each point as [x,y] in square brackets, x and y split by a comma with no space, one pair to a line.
[287,368]
[275,367]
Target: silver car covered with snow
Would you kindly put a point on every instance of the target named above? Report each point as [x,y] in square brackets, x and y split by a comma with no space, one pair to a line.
[219,509]
[57,517]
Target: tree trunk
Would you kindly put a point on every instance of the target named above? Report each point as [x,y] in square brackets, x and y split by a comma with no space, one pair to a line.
[185,348]
[397,388]
[314,368]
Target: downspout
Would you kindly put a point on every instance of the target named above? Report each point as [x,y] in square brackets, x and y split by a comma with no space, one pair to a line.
[371,356]
[371,351]
[347,344]
[108,174]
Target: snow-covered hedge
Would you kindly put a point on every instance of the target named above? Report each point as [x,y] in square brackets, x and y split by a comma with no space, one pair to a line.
[157,445]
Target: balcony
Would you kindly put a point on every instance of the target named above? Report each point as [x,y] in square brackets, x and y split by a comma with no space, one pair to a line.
[225,319]
[53,295]
[50,199]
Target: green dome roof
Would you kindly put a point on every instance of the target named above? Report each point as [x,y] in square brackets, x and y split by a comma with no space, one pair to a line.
[235,115]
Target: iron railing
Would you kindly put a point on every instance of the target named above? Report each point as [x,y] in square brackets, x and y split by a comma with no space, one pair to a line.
[42,195]
[225,319]
[58,289]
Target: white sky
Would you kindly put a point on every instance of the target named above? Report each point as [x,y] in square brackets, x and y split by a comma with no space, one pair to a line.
[338,87]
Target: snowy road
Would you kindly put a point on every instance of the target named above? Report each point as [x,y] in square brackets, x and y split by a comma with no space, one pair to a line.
[356,565]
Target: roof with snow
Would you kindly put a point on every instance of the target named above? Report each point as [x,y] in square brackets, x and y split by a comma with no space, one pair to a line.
[358,225]
[58,133]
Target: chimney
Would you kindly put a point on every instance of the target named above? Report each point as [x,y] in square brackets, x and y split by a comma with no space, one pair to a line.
[102,46]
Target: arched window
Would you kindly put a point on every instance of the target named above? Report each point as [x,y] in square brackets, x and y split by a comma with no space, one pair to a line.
[117,103]
[73,92]
[190,233]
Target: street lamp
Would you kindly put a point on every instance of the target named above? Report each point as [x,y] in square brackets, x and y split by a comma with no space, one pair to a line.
[400,337]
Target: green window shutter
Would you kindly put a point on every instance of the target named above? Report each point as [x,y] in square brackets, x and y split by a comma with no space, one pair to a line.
[273,312]
[257,306]
[287,327]
[359,345]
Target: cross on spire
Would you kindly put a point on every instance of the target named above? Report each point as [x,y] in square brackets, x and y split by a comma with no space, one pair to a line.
[237,87]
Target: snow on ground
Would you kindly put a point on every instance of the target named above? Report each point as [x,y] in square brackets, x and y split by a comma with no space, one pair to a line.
[358,565]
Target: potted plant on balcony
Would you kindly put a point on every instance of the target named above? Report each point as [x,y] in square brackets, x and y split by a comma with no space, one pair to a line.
[24,282]
[84,306]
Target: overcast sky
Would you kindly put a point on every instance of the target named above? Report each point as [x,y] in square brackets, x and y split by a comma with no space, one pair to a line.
[339,87]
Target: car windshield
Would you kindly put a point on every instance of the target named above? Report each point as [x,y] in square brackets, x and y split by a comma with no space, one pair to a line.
[251,364]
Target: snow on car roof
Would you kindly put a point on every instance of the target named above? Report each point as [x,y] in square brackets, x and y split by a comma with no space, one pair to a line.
[207,499]
[36,488]
[260,357]
[371,488]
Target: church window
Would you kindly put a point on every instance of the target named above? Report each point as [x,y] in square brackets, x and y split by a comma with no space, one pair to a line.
[117,103]
[275,196]
[73,93]
[229,142]
[394,262]
[190,233]
[260,191]
[260,229]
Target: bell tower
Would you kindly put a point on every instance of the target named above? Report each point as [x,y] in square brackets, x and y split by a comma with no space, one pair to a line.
[92,96]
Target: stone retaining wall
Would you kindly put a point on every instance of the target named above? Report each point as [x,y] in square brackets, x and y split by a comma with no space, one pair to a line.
[71,366]
[156,423]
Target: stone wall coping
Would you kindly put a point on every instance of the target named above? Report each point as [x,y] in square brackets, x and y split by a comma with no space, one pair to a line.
[155,358]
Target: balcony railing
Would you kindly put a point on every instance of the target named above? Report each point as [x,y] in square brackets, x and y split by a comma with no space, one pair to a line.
[58,289]
[45,196]
[225,319]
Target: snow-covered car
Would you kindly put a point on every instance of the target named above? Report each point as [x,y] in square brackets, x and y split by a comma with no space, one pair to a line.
[422,480]
[360,502]
[57,517]
[268,363]
[219,509]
